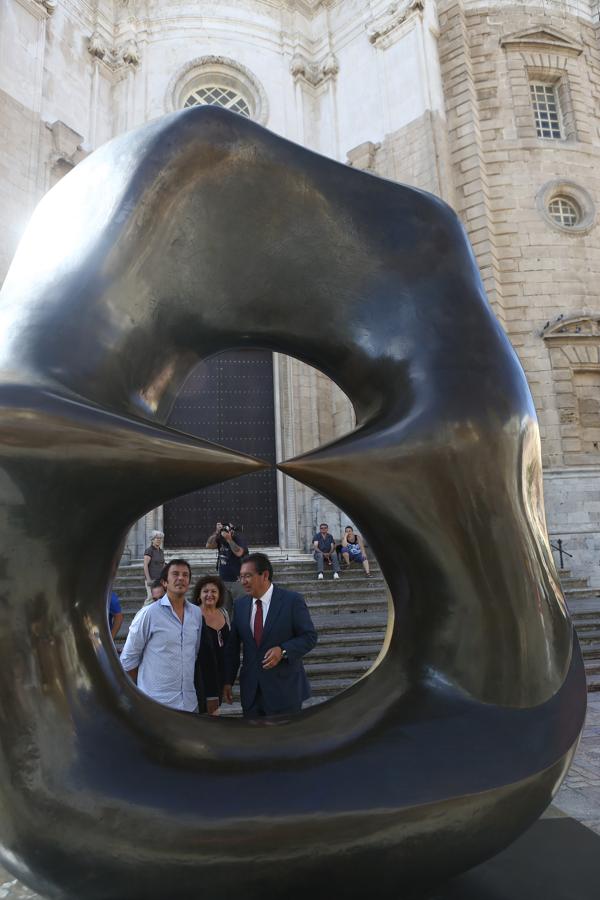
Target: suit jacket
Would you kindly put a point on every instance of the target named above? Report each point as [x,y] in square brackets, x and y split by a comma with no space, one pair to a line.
[289,626]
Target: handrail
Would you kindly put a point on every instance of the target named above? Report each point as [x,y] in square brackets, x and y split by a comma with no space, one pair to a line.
[561,551]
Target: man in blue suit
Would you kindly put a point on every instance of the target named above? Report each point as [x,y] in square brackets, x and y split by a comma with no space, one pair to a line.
[276,630]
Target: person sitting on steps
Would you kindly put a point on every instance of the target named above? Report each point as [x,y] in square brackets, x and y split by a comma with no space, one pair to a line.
[324,551]
[353,549]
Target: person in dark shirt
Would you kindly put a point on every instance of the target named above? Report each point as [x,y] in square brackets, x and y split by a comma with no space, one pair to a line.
[324,551]
[209,594]
[232,547]
[154,561]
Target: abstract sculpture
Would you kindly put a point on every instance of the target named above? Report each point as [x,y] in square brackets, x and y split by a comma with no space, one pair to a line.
[195,234]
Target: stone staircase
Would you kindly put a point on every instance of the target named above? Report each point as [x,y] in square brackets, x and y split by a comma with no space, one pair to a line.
[584,606]
[350,615]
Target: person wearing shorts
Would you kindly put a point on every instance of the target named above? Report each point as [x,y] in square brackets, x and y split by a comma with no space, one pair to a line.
[353,549]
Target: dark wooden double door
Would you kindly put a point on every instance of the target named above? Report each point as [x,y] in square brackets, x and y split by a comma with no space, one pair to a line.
[228,399]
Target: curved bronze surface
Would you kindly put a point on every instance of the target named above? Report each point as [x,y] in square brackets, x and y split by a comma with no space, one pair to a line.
[194,234]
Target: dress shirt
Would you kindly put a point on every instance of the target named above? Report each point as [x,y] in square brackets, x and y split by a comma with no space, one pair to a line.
[266,602]
[164,651]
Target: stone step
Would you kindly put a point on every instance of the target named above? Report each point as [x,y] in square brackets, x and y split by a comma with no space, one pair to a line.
[573,595]
[200,556]
[585,607]
[347,582]
[235,710]
[346,604]
[589,632]
[318,669]
[342,627]
[283,573]
[337,653]
[593,683]
[573,581]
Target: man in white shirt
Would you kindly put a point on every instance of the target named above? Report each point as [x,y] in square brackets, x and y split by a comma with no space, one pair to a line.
[163,642]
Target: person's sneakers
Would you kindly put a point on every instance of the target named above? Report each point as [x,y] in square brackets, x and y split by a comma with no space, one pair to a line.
[320,576]
[336,574]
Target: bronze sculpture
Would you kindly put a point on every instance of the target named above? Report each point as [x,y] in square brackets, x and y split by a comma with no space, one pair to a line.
[195,234]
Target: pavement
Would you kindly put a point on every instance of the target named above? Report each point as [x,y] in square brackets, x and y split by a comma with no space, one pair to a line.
[578,797]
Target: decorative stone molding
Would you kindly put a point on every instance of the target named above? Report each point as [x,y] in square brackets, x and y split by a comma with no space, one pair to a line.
[314,73]
[48,5]
[385,30]
[561,187]
[222,70]
[542,39]
[545,54]
[130,53]
[309,7]
[115,58]
[574,346]
[96,45]
[572,329]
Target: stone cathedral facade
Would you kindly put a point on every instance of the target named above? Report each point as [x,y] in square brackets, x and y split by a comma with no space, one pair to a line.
[493,106]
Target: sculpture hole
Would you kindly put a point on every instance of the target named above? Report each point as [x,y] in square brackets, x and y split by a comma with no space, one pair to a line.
[273,407]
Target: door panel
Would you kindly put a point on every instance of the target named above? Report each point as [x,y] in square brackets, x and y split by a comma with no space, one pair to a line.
[228,399]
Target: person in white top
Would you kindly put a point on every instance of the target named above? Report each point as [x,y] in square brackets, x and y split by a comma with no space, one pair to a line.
[163,643]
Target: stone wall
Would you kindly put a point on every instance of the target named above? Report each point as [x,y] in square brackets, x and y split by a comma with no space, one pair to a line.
[416,154]
[541,277]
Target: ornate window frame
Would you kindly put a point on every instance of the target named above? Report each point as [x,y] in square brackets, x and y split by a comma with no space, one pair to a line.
[544,55]
[570,190]
[212,70]
[573,343]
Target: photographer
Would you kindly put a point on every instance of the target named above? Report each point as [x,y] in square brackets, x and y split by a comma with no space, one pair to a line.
[232,547]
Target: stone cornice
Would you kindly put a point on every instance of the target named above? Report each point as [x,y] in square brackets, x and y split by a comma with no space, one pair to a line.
[67,143]
[308,7]
[40,8]
[384,30]
[582,329]
[544,39]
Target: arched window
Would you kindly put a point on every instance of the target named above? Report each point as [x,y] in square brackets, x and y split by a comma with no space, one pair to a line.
[216,95]
[217,81]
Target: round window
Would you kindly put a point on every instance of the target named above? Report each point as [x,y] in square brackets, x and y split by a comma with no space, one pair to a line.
[218,95]
[566,206]
[564,211]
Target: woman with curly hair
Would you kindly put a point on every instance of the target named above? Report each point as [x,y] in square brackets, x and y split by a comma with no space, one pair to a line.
[209,594]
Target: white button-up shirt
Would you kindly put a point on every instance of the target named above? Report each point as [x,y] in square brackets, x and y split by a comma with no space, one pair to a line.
[266,602]
[164,651]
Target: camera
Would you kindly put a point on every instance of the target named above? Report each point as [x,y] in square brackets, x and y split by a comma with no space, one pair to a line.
[226,529]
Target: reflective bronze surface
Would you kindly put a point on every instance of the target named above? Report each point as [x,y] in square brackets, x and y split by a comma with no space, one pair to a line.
[202,232]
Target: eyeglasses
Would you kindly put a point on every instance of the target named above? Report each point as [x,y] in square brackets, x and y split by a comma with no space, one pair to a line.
[247,575]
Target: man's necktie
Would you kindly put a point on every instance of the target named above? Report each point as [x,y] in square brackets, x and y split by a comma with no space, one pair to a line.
[258,623]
